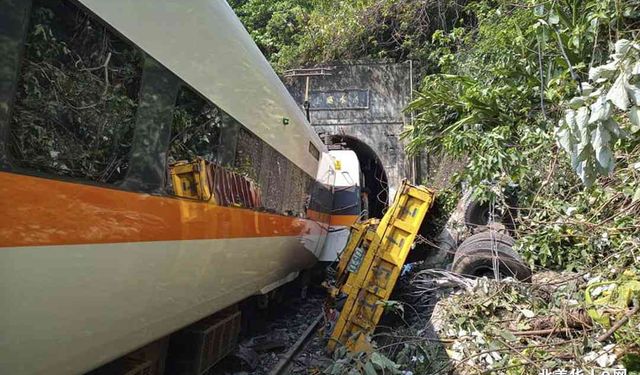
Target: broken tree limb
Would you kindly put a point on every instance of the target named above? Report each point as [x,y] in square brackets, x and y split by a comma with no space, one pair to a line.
[619,323]
[576,319]
[543,332]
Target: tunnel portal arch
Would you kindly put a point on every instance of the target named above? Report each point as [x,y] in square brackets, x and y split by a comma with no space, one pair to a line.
[361,101]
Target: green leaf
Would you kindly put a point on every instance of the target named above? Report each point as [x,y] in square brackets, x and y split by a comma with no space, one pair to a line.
[565,139]
[634,93]
[634,116]
[507,335]
[582,117]
[337,369]
[586,88]
[369,369]
[605,160]
[622,46]
[603,73]
[554,18]
[570,118]
[384,363]
[613,128]
[618,93]
[586,173]
[600,110]
[528,313]
[582,148]
[378,360]
[600,141]
[600,137]
[576,102]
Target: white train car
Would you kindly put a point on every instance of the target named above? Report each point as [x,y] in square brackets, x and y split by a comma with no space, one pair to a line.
[347,203]
[98,256]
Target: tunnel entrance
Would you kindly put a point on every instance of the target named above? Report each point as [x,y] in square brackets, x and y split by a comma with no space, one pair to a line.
[375,178]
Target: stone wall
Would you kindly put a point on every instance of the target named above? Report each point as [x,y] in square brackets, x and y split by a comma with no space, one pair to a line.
[365,101]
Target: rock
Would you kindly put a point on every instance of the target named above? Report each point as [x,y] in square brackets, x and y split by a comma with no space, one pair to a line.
[248,356]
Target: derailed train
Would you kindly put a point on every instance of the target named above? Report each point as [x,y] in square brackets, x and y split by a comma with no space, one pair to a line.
[98,254]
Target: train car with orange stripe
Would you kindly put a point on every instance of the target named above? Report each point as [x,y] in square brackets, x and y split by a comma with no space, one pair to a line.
[347,207]
[104,246]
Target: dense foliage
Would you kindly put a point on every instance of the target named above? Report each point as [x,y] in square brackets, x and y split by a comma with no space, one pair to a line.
[292,33]
[588,131]
[275,26]
[535,58]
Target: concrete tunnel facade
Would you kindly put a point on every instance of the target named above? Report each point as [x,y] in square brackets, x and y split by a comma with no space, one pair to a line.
[360,103]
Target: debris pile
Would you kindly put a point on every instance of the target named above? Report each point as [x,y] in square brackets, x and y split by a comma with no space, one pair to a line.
[559,322]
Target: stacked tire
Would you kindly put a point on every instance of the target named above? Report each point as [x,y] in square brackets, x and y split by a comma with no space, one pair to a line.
[479,214]
[482,254]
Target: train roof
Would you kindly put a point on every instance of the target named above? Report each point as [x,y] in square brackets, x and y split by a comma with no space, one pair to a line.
[204,43]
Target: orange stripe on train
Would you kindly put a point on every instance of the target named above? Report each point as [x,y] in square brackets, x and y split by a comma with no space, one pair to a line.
[343,220]
[37,211]
[318,216]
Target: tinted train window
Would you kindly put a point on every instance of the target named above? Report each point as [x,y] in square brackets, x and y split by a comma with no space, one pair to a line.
[75,105]
[14,18]
[196,128]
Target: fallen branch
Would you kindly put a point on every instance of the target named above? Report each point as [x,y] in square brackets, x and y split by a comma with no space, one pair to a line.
[543,332]
[619,323]
[577,319]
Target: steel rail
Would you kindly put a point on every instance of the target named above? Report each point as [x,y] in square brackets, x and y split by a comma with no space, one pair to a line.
[284,364]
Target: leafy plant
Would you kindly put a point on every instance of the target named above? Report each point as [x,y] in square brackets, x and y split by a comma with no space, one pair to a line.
[462,117]
[293,33]
[588,132]
[500,119]
[275,26]
[498,77]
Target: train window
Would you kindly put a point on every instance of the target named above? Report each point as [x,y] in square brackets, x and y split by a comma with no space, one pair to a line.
[314,151]
[75,105]
[14,17]
[196,128]
[147,159]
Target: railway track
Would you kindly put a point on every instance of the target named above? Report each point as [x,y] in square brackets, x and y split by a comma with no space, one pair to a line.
[284,365]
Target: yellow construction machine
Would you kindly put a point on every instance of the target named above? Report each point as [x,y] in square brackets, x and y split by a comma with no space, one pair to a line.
[370,265]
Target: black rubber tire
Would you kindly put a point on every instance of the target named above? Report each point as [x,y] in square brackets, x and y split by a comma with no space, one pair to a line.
[476,214]
[474,257]
[490,237]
